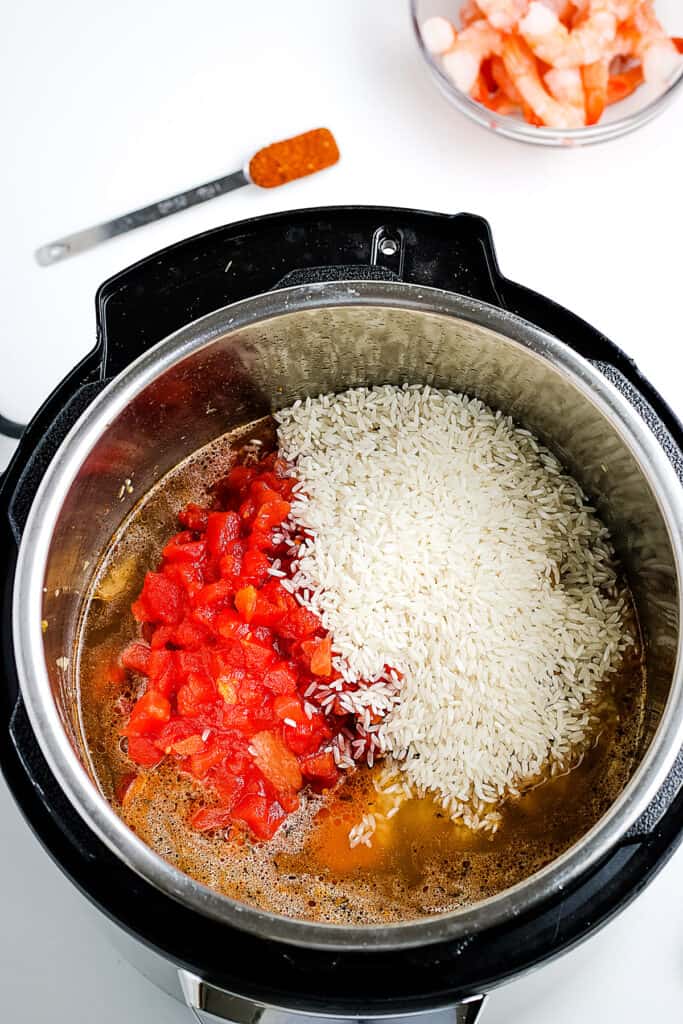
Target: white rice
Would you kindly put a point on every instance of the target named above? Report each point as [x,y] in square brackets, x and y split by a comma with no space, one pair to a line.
[363,831]
[448,544]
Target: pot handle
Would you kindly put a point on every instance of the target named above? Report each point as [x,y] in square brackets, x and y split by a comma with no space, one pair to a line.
[210,1003]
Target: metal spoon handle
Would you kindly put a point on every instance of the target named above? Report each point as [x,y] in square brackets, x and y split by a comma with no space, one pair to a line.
[71,245]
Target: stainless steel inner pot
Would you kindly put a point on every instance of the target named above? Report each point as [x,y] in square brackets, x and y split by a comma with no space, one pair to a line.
[261,354]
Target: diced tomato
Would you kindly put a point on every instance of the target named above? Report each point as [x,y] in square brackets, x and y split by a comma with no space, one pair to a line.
[261,540]
[211,818]
[229,657]
[263,817]
[319,653]
[143,751]
[194,694]
[288,705]
[231,565]
[255,566]
[257,657]
[245,602]
[281,678]
[266,613]
[206,617]
[215,595]
[194,517]
[151,711]
[221,528]
[182,548]
[320,767]
[279,766]
[262,635]
[231,626]
[252,691]
[161,600]
[248,719]
[192,745]
[229,654]
[190,576]
[239,478]
[276,595]
[190,634]
[228,685]
[308,736]
[272,513]
[174,731]
[162,636]
[262,492]
[247,510]
[228,785]
[201,763]
[162,672]
[198,661]
[299,624]
[136,657]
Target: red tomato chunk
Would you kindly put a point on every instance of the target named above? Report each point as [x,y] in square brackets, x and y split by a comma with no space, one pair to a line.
[228,655]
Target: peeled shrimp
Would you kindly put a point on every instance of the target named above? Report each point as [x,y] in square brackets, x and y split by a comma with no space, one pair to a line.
[566,85]
[473,45]
[469,12]
[623,84]
[564,9]
[595,78]
[503,14]
[521,66]
[555,44]
[658,54]
[504,82]
[438,34]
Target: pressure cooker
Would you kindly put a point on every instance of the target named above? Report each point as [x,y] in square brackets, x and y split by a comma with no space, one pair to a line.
[220,330]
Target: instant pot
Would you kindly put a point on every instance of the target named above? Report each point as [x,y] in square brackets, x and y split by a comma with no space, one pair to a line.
[215,332]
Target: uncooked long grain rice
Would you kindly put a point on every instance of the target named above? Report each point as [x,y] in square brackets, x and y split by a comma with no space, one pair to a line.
[449,544]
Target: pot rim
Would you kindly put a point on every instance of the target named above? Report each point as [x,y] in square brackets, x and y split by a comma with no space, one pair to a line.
[82,792]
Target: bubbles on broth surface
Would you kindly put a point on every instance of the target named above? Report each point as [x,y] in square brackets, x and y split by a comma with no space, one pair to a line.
[420,863]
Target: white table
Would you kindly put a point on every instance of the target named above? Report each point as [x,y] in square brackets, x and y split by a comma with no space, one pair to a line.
[110,106]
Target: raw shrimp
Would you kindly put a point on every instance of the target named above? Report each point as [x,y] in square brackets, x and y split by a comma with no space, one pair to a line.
[503,14]
[473,45]
[555,44]
[521,66]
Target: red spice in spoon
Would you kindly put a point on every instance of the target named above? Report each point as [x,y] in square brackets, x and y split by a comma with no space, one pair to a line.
[293,158]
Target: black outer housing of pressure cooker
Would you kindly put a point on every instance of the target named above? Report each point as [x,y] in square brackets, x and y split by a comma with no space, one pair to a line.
[136,309]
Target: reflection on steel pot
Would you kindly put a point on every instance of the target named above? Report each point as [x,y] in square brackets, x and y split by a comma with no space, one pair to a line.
[429,308]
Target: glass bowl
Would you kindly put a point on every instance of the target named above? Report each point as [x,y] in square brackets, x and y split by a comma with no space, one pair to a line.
[639,108]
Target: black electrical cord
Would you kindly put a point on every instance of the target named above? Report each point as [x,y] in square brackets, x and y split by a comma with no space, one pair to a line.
[11,429]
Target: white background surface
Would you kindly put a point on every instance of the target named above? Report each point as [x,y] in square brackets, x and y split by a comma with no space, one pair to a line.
[106,107]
